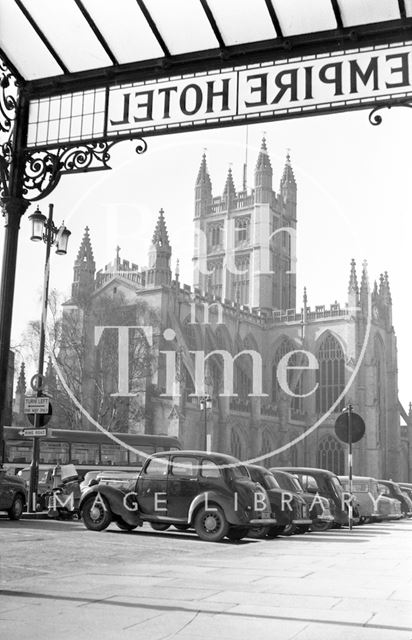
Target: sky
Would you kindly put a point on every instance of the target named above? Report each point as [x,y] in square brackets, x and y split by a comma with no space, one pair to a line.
[353,202]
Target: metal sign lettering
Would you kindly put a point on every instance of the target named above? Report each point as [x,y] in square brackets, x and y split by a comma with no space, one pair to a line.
[36,405]
[268,90]
[33,433]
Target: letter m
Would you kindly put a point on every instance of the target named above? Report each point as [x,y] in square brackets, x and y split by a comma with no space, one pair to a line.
[228,364]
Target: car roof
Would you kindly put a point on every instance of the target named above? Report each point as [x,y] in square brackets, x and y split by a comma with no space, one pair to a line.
[307,470]
[365,478]
[220,458]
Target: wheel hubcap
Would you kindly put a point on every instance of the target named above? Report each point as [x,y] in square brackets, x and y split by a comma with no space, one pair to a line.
[95,513]
[210,523]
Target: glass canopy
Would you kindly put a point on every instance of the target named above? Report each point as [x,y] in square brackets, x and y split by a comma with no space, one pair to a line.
[42,39]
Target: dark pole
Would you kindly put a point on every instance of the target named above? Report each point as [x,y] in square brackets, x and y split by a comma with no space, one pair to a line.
[34,467]
[350,463]
[13,206]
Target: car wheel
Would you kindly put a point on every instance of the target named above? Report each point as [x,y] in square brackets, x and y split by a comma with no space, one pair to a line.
[289,530]
[159,526]
[16,510]
[182,527]
[96,513]
[259,532]
[211,524]
[303,528]
[321,525]
[274,532]
[124,526]
[237,533]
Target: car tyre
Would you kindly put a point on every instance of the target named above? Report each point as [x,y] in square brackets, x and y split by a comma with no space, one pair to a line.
[303,528]
[96,514]
[259,532]
[321,525]
[290,530]
[16,510]
[211,524]
[159,526]
[274,532]
[124,526]
[237,533]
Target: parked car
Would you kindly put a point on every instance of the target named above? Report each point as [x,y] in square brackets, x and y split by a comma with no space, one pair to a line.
[406,487]
[326,484]
[212,492]
[287,506]
[321,518]
[45,483]
[396,492]
[13,495]
[373,505]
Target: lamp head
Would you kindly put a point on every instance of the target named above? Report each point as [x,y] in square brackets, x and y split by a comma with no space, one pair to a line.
[37,220]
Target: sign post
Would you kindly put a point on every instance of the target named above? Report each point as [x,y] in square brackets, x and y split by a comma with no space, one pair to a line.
[350,428]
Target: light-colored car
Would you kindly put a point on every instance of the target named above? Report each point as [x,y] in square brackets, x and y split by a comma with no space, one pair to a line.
[373,503]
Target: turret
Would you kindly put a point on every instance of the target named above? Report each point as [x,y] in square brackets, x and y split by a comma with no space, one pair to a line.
[229,191]
[84,268]
[203,190]
[263,175]
[160,252]
[288,189]
[364,289]
[18,405]
[353,289]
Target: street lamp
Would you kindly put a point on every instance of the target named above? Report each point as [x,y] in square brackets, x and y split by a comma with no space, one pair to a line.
[205,404]
[43,229]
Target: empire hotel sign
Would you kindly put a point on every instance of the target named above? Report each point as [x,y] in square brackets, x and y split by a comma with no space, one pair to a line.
[339,81]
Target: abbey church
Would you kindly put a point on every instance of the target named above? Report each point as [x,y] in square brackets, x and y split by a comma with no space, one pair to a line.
[298,365]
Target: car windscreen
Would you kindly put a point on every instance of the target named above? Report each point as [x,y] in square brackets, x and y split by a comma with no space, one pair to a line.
[285,482]
[337,486]
[239,471]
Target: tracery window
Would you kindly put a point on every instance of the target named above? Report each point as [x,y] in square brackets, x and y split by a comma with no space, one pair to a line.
[236,447]
[242,231]
[294,378]
[330,375]
[331,455]
[240,281]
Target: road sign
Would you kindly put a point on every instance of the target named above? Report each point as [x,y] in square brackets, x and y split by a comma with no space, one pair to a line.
[36,405]
[43,418]
[342,430]
[32,433]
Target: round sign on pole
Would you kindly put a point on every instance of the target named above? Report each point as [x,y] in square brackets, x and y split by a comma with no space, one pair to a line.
[44,418]
[342,427]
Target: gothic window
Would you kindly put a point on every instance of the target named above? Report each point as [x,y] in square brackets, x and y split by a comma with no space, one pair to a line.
[294,378]
[267,447]
[215,281]
[243,383]
[215,236]
[240,281]
[236,446]
[242,231]
[330,375]
[331,455]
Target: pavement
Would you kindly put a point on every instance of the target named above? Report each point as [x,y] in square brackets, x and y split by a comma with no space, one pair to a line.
[60,581]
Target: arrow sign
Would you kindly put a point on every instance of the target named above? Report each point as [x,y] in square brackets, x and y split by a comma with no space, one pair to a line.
[36,405]
[32,433]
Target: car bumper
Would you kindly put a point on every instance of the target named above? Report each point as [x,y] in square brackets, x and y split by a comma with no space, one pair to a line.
[262,522]
[302,521]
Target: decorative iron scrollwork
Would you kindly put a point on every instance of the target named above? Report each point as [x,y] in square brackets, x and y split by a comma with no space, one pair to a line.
[44,167]
[8,100]
[375,118]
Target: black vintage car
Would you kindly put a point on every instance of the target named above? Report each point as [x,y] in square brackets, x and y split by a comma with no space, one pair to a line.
[319,507]
[393,490]
[324,483]
[12,495]
[288,507]
[211,492]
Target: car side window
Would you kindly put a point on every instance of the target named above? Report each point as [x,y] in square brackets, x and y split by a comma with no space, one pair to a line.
[209,469]
[157,467]
[185,467]
[308,482]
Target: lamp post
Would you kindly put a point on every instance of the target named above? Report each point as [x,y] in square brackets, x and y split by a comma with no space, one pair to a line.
[43,229]
[205,404]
